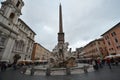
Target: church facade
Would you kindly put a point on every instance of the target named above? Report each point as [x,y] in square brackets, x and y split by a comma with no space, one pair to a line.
[16,37]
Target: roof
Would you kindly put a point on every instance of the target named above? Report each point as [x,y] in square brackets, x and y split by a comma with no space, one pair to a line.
[100,39]
[42,46]
[111,28]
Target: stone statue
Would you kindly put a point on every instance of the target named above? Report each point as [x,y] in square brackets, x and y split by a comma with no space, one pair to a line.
[61,54]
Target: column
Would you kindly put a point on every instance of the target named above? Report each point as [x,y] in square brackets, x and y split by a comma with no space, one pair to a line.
[8,49]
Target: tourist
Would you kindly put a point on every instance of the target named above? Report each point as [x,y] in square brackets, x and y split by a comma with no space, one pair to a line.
[99,63]
[3,66]
[95,65]
[116,62]
[112,61]
[103,62]
[108,62]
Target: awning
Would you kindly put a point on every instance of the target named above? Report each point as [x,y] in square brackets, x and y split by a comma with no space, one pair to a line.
[110,56]
[117,55]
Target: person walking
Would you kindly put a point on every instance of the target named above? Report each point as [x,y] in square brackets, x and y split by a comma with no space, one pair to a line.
[95,64]
[99,63]
[112,61]
[108,62]
[116,62]
[3,66]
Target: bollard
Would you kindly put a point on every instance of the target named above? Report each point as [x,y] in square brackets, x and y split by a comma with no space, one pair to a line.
[48,72]
[32,71]
[85,69]
[68,72]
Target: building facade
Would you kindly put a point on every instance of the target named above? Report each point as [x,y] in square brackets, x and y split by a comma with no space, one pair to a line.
[112,40]
[16,37]
[95,49]
[40,53]
[79,52]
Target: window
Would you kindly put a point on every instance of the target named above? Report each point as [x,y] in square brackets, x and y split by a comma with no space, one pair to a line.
[12,15]
[116,40]
[30,34]
[106,37]
[19,46]
[99,43]
[27,49]
[24,28]
[18,3]
[109,49]
[103,42]
[117,47]
[109,43]
[113,34]
[1,50]
[2,41]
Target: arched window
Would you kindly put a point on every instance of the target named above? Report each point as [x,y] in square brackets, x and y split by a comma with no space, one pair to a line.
[22,45]
[12,15]
[15,48]
[19,45]
[18,3]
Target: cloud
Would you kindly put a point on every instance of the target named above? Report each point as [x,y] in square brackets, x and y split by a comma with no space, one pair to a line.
[79,43]
[83,20]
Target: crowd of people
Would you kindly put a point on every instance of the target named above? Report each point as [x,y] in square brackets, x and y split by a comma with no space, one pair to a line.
[3,66]
[99,63]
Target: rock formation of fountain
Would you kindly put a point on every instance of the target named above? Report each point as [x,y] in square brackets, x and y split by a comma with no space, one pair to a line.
[62,57]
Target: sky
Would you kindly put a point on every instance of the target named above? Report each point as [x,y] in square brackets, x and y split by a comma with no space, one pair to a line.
[83,20]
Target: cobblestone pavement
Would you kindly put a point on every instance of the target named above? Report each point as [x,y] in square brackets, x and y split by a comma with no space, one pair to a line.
[102,74]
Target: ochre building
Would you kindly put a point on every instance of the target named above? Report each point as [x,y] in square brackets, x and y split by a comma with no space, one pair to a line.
[40,53]
[112,39]
[95,49]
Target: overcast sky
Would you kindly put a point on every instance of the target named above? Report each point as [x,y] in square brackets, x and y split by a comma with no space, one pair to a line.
[83,20]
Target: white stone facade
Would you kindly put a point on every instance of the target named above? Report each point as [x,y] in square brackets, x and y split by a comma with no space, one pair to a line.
[16,37]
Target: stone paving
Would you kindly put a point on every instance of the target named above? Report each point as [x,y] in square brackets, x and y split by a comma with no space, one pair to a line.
[102,74]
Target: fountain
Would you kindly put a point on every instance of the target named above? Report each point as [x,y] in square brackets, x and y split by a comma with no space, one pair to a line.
[61,57]
[61,60]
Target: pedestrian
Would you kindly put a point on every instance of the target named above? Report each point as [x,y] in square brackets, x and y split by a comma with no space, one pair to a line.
[112,61]
[116,62]
[99,63]
[14,66]
[95,65]
[103,62]
[108,62]
[32,71]
[3,66]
